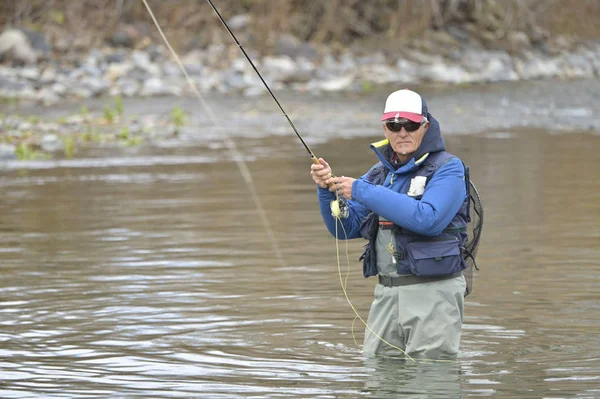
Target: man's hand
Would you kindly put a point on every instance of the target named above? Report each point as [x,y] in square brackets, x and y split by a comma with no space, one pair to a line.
[341,184]
[320,173]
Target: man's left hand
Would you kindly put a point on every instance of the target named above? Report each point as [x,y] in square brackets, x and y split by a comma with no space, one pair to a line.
[343,185]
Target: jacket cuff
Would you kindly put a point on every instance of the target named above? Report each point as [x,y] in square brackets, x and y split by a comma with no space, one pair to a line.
[324,193]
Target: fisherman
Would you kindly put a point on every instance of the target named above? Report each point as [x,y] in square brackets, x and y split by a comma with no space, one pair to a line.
[412,207]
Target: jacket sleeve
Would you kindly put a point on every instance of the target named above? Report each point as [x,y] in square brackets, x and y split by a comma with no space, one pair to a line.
[347,228]
[442,199]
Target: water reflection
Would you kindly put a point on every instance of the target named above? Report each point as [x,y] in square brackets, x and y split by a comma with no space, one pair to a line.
[389,378]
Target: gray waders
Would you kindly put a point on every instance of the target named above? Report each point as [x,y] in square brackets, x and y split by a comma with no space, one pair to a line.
[422,318]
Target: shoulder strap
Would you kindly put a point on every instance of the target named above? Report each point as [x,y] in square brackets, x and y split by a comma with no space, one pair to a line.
[433,162]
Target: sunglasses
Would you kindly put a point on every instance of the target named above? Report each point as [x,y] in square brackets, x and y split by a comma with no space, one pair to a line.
[409,126]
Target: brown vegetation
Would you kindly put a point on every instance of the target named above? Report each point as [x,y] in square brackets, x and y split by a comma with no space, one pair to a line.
[191,23]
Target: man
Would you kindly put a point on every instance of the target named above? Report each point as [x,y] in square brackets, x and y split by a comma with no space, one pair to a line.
[412,208]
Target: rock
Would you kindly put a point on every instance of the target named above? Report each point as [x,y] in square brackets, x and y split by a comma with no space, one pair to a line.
[15,47]
[532,65]
[80,91]
[594,57]
[576,66]
[239,22]
[116,71]
[62,45]
[289,45]
[48,97]
[117,57]
[408,71]
[255,91]
[347,62]
[216,55]
[12,84]
[143,61]
[234,80]
[328,63]
[447,73]
[82,43]
[59,88]
[518,41]
[128,87]
[337,84]
[48,127]
[30,73]
[193,61]
[305,70]
[156,87]
[171,69]
[48,76]
[376,58]
[8,152]
[208,81]
[280,68]
[380,74]
[51,143]
[488,66]
[24,125]
[38,42]
[125,36]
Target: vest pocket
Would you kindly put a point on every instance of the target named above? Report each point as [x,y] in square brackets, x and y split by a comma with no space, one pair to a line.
[434,258]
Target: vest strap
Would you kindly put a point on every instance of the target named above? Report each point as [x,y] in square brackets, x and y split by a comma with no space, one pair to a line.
[399,281]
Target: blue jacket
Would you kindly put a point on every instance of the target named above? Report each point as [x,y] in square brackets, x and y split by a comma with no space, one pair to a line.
[444,195]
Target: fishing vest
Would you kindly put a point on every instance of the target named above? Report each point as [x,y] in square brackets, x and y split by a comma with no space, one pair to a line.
[416,254]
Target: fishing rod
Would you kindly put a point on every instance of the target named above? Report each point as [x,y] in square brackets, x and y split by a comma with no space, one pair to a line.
[339,206]
[312,155]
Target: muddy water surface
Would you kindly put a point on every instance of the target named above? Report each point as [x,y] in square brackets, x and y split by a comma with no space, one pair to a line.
[149,275]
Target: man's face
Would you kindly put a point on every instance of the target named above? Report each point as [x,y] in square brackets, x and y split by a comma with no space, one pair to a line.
[405,142]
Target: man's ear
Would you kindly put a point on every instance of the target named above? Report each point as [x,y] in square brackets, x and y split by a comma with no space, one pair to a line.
[426,126]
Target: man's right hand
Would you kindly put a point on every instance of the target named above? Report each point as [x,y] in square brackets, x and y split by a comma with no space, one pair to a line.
[320,173]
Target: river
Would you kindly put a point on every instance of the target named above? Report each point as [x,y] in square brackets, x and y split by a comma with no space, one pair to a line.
[147,273]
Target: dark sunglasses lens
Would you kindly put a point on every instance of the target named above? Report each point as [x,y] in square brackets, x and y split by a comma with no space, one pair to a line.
[408,126]
[394,126]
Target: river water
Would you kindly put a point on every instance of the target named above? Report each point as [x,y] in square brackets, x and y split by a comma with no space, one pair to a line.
[148,273]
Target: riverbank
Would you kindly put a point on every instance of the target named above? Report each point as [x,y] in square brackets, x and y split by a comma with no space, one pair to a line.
[129,127]
[453,57]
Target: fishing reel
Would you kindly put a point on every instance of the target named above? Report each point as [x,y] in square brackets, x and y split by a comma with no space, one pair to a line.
[339,208]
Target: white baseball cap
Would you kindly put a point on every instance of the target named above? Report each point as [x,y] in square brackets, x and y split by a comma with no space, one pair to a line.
[405,104]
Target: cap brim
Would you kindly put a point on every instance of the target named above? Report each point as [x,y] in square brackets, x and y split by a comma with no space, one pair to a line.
[408,115]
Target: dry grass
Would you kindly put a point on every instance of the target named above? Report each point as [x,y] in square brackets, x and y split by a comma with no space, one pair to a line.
[191,23]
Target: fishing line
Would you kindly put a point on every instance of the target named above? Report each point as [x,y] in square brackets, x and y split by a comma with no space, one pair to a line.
[239,161]
[338,206]
[344,283]
[312,155]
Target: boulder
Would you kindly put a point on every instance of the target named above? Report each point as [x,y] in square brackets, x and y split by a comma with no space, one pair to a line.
[51,143]
[239,22]
[16,48]
[293,47]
